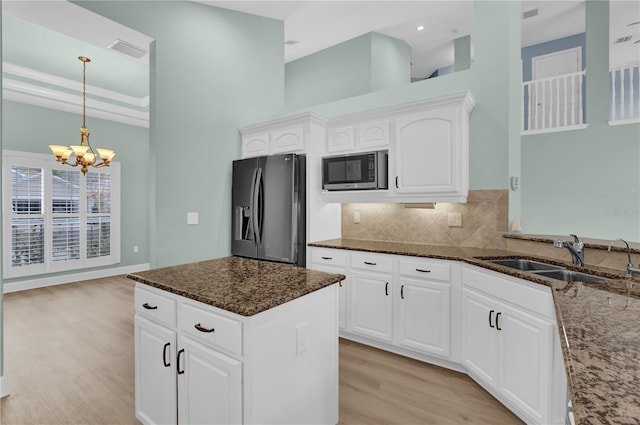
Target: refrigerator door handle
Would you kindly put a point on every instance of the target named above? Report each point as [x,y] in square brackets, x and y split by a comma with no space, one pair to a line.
[257,207]
[251,224]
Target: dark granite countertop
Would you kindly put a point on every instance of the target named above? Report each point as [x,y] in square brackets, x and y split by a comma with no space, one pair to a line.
[239,285]
[599,325]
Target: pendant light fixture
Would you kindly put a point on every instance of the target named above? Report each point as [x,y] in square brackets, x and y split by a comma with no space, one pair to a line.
[84,153]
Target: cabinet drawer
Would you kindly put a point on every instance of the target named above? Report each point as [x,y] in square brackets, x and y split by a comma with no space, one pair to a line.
[531,296]
[371,262]
[424,269]
[329,257]
[155,306]
[211,328]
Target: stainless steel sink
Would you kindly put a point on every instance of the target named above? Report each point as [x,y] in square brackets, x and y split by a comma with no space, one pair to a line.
[569,276]
[525,265]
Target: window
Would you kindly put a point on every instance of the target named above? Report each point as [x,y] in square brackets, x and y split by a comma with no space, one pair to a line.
[58,219]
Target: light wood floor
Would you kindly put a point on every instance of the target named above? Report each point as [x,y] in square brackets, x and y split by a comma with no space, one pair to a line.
[68,358]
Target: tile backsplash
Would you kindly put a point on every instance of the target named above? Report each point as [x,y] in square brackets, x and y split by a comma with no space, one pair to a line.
[484,220]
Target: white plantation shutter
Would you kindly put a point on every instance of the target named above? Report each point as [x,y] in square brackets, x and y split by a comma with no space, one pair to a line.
[65,211]
[27,218]
[58,219]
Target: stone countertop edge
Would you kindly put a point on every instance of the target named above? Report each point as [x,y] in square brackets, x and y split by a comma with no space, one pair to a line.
[587,362]
[238,285]
[602,244]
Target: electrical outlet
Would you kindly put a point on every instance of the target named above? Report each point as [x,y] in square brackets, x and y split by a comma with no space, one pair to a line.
[301,338]
[192,218]
[356,217]
[135,249]
[454,220]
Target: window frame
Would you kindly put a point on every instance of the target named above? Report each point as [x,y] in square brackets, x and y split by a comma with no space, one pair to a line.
[47,163]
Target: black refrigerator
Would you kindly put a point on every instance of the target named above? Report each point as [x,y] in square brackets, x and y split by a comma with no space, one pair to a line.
[268,208]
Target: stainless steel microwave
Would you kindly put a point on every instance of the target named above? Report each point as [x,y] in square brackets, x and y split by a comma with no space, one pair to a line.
[358,171]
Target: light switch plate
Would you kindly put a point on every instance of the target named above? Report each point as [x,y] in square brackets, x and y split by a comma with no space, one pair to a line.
[192,218]
[454,220]
[356,217]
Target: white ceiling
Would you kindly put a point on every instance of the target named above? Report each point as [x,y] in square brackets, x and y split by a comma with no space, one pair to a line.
[317,25]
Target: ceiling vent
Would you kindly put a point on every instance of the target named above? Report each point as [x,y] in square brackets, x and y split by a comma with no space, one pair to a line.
[127,48]
[291,42]
[622,40]
[530,13]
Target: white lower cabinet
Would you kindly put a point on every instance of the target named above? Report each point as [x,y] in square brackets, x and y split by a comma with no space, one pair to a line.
[500,329]
[424,319]
[508,348]
[155,371]
[209,385]
[333,261]
[371,304]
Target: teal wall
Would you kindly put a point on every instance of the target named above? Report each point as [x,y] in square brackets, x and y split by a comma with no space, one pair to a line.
[212,71]
[493,81]
[585,182]
[390,62]
[361,65]
[31,128]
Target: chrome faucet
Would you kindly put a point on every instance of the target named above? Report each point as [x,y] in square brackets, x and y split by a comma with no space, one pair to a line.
[576,249]
[630,269]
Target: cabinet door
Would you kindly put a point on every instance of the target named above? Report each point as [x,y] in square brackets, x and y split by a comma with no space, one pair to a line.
[526,366]
[428,152]
[480,339]
[255,145]
[288,140]
[342,291]
[155,372]
[209,386]
[341,139]
[424,316]
[370,305]
[373,134]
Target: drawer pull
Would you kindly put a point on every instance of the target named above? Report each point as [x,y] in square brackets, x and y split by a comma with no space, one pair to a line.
[164,355]
[201,329]
[386,289]
[368,263]
[150,307]
[423,271]
[402,292]
[498,321]
[327,258]
[490,316]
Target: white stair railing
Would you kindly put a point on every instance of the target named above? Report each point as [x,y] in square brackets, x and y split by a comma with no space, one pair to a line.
[553,102]
[625,96]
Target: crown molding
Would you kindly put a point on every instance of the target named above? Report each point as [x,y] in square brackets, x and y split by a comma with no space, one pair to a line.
[52,98]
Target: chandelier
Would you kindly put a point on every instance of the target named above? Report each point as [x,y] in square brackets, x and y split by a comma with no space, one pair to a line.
[84,153]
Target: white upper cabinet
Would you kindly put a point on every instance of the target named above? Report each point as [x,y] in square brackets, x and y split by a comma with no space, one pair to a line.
[284,135]
[428,145]
[374,134]
[430,153]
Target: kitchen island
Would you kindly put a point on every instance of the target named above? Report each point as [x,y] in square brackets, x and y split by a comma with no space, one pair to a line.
[235,340]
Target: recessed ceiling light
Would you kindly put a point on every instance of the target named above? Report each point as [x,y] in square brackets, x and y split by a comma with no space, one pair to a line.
[421,27]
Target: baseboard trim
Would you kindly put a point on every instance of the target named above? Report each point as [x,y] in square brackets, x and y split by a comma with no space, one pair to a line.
[4,387]
[68,278]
